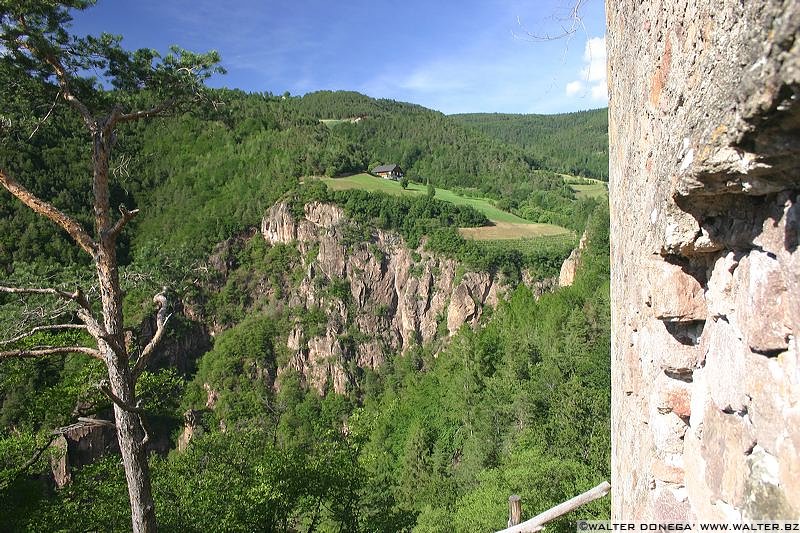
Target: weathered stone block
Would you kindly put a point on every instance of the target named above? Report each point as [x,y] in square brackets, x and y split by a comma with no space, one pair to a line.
[670,505]
[671,396]
[700,495]
[660,350]
[788,454]
[720,287]
[725,356]
[765,384]
[766,499]
[727,439]
[700,398]
[668,469]
[668,430]
[675,295]
[762,303]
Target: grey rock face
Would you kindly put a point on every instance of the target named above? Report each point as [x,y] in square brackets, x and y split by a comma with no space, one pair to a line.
[397,297]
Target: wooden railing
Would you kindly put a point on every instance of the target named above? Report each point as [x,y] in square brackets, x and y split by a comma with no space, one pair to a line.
[537,522]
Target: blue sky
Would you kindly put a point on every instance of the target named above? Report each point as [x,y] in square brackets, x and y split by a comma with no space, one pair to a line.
[455,56]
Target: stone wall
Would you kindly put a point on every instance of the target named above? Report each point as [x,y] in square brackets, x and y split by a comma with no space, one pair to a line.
[704,128]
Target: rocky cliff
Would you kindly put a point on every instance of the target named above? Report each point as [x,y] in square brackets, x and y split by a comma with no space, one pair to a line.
[378,295]
[704,126]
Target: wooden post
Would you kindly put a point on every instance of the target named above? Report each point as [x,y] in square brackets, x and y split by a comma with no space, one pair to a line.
[514,510]
[537,522]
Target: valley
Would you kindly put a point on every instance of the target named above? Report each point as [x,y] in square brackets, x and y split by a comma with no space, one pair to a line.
[340,353]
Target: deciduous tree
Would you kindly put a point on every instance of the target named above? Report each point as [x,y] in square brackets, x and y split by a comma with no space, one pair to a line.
[36,45]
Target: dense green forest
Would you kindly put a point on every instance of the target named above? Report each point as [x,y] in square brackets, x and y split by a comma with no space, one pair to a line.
[570,143]
[201,177]
[434,439]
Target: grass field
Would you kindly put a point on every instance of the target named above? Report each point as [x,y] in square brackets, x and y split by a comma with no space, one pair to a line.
[511,230]
[562,244]
[506,225]
[595,190]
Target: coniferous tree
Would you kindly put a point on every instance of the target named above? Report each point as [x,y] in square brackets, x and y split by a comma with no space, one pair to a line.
[38,47]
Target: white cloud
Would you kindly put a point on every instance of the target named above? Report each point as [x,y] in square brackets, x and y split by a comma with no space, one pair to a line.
[595,58]
[435,77]
[600,92]
[593,72]
[574,87]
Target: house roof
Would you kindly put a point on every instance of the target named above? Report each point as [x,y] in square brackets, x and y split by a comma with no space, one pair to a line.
[385,168]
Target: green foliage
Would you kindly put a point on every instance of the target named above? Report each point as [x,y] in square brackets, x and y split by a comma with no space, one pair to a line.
[160,391]
[542,256]
[427,437]
[437,442]
[223,482]
[523,400]
[257,487]
[427,144]
[570,143]
[42,394]
[238,371]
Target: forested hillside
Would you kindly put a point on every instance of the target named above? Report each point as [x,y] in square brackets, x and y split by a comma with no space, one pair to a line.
[430,146]
[570,143]
[432,433]
[200,178]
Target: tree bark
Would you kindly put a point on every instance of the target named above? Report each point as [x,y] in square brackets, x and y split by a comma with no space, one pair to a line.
[130,433]
[31,41]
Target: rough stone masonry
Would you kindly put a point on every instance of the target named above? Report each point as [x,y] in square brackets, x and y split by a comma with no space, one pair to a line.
[704,124]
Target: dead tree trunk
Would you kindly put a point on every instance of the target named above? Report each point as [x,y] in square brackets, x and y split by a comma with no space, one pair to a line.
[33,36]
[130,433]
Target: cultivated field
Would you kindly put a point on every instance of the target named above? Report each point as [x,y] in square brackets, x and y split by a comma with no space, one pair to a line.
[367,182]
[595,190]
[331,122]
[506,225]
[586,187]
[512,230]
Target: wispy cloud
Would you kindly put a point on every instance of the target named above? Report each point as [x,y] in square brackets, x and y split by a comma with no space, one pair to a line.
[593,74]
[451,56]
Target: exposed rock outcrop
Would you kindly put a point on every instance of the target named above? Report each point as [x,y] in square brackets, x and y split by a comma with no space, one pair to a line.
[377,295]
[705,149]
[570,265]
[78,445]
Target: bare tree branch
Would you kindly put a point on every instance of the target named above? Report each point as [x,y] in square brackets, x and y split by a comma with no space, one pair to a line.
[96,422]
[40,351]
[161,321]
[39,124]
[145,429]
[105,389]
[98,331]
[77,296]
[127,216]
[568,25]
[118,117]
[37,329]
[47,210]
